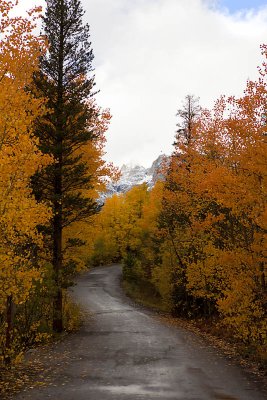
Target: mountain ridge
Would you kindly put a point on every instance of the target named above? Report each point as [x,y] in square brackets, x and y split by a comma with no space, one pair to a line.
[134,175]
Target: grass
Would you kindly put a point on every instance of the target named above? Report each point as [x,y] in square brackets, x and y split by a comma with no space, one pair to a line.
[144,293]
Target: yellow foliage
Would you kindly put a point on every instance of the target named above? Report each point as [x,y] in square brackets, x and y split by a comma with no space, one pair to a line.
[92,153]
[20,158]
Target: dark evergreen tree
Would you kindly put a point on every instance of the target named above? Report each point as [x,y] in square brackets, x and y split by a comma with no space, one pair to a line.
[66,80]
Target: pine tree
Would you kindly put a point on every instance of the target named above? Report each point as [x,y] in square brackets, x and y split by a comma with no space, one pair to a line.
[66,80]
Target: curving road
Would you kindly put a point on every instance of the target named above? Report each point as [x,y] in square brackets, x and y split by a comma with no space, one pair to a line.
[124,353]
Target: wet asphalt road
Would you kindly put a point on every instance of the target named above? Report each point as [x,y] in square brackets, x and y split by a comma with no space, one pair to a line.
[124,353]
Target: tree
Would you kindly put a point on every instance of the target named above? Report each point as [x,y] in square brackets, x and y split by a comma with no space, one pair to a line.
[67,129]
[188,115]
[214,212]
[179,204]
[20,214]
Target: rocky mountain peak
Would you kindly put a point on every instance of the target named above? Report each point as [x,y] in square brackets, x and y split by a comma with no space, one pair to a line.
[133,175]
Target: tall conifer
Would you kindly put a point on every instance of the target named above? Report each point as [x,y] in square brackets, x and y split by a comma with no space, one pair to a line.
[66,80]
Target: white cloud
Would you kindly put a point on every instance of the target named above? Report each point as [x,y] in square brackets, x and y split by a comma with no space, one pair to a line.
[150,53]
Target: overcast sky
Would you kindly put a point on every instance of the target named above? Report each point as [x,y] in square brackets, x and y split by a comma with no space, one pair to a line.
[149,54]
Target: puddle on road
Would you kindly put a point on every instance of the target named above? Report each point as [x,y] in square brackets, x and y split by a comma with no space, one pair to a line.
[155,391]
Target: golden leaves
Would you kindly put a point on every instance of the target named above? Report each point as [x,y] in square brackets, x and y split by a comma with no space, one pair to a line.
[20,157]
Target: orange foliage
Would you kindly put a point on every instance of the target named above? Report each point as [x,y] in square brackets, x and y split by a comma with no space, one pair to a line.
[200,237]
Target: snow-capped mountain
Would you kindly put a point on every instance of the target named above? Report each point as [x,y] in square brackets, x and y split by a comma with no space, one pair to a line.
[133,175]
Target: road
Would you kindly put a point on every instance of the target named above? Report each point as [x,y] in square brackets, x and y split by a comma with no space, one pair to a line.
[124,352]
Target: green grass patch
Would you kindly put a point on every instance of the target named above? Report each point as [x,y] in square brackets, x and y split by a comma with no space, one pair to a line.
[144,293]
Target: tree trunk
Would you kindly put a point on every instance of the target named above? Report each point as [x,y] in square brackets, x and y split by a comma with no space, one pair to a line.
[57,265]
[57,246]
[9,328]
[263,277]
[57,222]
